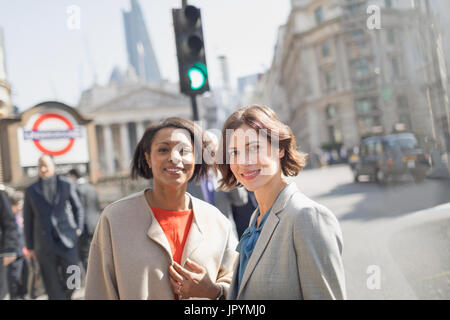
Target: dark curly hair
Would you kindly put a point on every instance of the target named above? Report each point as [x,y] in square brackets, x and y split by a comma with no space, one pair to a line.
[139,166]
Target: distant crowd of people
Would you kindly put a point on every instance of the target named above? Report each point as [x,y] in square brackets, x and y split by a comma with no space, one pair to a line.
[44,230]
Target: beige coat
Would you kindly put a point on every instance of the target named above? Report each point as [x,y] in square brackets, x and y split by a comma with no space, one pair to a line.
[130,255]
[298,254]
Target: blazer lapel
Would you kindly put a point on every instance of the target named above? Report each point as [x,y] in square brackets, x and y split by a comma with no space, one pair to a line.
[267,231]
[195,236]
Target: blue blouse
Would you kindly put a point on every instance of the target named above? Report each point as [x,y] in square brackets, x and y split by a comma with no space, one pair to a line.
[247,244]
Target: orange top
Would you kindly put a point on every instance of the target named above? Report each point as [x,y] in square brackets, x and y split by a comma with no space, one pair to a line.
[176,225]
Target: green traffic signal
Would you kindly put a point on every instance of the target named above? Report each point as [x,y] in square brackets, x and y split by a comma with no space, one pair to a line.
[197,75]
[190,46]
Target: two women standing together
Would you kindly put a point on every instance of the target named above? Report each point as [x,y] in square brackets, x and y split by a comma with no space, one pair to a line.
[162,243]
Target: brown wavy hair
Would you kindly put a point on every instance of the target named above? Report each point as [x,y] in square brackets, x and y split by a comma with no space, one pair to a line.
[260,118]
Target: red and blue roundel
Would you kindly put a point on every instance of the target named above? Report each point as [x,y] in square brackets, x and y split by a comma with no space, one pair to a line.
[38,135]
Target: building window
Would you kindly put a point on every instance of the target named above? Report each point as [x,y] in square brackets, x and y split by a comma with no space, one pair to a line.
[363,106]
[355,8]
[333,124]
[366,106]
[318,13]
[357,35]
[395,67]
[331,112]
[368,123]
[390,34]
[325,49]
[388,3]
[368,115]
[404,114]
[335,133]
[361,67]
[330,82]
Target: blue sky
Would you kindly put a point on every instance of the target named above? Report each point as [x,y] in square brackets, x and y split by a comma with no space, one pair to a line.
[46,60]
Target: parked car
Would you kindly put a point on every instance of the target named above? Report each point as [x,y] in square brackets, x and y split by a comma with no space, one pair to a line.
[391,157]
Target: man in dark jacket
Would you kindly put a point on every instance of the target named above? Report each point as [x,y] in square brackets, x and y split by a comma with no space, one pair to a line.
[91,204]
[53,221]
[9,240]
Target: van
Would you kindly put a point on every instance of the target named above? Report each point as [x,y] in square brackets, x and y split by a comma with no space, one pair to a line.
[391,158]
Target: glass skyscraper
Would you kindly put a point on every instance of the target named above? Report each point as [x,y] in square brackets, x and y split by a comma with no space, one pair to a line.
[139,47]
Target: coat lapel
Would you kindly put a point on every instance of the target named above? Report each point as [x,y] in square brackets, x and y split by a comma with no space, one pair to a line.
[58,191]
[40,197]
[39,189]
[267,231]
[195,236]
[155,232]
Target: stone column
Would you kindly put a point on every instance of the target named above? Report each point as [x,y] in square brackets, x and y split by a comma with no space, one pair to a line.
[125,146]
[109,149]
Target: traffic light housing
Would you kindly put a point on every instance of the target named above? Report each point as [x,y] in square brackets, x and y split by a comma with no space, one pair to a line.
[190,45]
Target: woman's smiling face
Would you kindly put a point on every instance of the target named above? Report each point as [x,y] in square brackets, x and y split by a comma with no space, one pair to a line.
[253,160]
[171,157]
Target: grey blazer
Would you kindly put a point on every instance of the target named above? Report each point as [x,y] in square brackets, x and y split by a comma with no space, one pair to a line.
[298,254]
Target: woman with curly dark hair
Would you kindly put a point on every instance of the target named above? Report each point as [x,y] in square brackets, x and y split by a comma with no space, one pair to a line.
[144,238]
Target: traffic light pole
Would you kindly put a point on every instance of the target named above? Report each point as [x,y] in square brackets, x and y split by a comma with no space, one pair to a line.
[194,107]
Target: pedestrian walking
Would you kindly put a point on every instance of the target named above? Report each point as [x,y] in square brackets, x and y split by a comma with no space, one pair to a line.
[9,239]
[141,240]
[17,271]
[292,248]
[53,221]
[89,199]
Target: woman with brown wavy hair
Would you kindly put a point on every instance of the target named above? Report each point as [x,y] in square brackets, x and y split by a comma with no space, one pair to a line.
[292,248]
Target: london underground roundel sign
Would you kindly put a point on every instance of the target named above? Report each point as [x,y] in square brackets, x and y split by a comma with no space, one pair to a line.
[54,132]
[37,135]
[66,132]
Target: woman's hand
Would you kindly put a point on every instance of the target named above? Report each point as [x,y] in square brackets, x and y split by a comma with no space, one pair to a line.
[192,281]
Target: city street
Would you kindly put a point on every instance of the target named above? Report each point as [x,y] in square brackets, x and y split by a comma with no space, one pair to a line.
[360,83]
[389,230]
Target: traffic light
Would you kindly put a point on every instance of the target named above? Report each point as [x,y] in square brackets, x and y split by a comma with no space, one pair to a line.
[190,45]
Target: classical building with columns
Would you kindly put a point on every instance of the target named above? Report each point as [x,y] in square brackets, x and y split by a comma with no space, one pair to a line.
[121,113]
